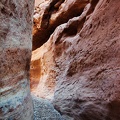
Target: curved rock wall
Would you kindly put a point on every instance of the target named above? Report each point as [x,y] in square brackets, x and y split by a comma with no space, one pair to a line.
[84,54]
[43,72]
[15,53]
[88,77]
[50,14]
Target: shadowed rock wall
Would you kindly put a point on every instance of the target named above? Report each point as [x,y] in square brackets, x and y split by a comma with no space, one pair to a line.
[15,53]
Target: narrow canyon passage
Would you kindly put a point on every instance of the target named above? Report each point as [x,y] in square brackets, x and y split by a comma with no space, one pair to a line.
[67,52]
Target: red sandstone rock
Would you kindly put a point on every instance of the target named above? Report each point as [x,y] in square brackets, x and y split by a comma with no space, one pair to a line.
[85,56]
[42,72]
[15,53]
[51,13]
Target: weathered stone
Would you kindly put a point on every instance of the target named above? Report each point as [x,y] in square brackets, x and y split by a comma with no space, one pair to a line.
[15,53]
[88,62]
[51,13]
[85,56]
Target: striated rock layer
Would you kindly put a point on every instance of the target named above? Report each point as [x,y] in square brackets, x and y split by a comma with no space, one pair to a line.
[83,56]
[15,53]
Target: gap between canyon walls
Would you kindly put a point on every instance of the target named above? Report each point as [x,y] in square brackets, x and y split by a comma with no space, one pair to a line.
[76,58]
[49,15]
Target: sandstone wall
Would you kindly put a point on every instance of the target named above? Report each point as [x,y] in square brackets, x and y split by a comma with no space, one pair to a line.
[50,14]
[47,16]
[43,72]
[37,2]
[88,62]
[15,53]
[84,54]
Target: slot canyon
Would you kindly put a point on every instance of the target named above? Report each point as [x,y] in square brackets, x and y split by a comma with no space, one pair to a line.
[59,59]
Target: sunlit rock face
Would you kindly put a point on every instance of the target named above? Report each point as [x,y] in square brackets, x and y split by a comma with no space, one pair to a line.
[84,55]
[15,53]
[47,16]
[50,14]
[43,72]
[88,62]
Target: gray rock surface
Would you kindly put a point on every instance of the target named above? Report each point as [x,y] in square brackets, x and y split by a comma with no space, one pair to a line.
[44,110]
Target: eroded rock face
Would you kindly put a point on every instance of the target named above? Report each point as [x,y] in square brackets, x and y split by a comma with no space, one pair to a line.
[51,13]
[46,18]
[37,2]
[15,53]
[85,56]
[88,83]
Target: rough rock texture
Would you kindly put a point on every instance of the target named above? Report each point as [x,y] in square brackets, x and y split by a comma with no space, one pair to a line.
[42,78]
[51,13]
[15,53]
[44,110]
[84,54]
[37,2]
[42,72]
